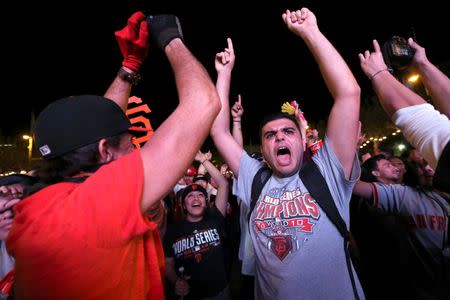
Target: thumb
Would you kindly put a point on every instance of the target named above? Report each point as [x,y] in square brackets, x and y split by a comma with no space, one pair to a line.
[412,43]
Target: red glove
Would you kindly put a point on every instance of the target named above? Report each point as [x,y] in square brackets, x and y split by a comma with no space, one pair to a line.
[133,41]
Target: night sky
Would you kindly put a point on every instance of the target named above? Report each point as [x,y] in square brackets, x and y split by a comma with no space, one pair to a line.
[69,48]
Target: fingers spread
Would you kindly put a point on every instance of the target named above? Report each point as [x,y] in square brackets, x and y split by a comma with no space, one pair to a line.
[361,57]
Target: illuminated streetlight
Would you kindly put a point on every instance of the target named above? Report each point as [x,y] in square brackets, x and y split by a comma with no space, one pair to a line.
[30,145]
[401,147]
[413,78]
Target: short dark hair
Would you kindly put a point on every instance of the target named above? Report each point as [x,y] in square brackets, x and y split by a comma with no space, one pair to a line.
[276,116]
[371,165]
[83,159]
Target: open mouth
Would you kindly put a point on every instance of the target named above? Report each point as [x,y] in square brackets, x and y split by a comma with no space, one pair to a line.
[283,151]
[283,155]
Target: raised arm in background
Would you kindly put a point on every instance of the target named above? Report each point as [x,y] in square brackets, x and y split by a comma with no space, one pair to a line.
[425,128]
[391,93]
[222,183]
[436,82]
[228,147]
[237,110]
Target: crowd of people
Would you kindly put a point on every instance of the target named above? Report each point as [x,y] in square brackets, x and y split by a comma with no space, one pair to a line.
[99,220]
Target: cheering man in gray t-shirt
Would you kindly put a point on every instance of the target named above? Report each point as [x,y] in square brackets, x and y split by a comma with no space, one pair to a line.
[299,252]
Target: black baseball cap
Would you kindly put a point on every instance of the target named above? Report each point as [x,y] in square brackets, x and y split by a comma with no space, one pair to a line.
[73,122]
[191,188]
[201,177]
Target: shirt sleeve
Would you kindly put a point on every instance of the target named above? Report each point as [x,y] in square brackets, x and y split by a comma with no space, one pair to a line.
[390,198]
[331,169]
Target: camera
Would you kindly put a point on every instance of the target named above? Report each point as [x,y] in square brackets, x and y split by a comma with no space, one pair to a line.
[397,53]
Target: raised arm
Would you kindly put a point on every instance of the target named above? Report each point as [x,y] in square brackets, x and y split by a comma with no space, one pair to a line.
[221,181]
[198,97]
[391,93]
[436,82]
[424,127]
[230,150]
[343,119]
[133,43]
[237,110]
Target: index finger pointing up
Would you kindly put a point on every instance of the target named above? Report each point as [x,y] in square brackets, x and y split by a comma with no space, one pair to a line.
[230,44]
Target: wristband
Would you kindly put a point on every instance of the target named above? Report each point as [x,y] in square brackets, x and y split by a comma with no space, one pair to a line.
[133,78]
[378,72]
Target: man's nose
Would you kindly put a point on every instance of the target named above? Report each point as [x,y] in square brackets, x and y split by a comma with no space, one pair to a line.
[279,136]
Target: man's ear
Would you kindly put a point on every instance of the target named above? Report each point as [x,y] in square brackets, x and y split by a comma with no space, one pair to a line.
[376,173]
[105,154]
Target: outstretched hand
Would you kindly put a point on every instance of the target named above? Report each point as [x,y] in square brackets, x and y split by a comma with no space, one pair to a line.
[224,60]
[201,157]
[300,21]
[372,62]
[419,54]
[133,41]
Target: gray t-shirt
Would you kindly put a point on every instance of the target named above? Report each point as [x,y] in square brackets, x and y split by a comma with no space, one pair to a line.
[246,250]
[428,215]
[299,252]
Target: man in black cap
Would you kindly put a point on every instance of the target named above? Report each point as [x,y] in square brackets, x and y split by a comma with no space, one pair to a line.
[84,236]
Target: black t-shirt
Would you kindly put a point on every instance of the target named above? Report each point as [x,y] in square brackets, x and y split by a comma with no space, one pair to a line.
[198,247]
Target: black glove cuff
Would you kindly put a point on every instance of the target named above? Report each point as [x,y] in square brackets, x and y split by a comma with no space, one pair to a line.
[163,29]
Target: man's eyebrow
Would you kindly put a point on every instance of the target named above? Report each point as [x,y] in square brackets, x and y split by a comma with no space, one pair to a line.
[269,131]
